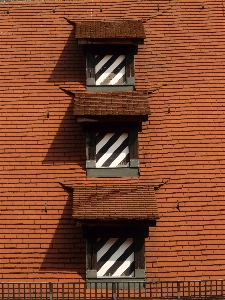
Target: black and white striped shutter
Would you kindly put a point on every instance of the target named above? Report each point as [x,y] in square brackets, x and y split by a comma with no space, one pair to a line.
[110,69]
[112,150]
[115,257]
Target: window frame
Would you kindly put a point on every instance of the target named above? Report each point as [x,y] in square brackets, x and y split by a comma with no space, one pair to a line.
[127,50]
[131,171]
[117,232]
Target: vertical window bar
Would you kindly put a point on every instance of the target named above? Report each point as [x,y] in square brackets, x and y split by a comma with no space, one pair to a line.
[106,290]
[178,290]
[96,289]
[30,290]
[40,291]
[221,287]
[114,290]
[85,290]
[63,291]
[35,290]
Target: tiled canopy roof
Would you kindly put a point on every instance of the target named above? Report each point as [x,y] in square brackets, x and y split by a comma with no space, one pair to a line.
[118,202]
[114,29]
[111,103]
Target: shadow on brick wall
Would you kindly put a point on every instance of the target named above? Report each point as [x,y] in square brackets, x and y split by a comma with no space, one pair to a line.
[71,65]
[69,142]
[67,250]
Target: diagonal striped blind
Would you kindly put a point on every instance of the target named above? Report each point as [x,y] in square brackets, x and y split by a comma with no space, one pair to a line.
[115,257]
[112,150]
[110,69]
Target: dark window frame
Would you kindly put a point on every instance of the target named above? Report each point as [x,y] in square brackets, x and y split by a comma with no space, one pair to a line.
[139,234]
[127,50]
[131,171]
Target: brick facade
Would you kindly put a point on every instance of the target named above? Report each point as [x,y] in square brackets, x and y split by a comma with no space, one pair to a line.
[181,146]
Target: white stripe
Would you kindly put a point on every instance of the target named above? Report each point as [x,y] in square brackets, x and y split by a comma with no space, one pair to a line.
[114,257]
[119,158]
[105,248]
[103,159]
[124,266]
[110,69]
[103,141]
[118,76]
[102,62]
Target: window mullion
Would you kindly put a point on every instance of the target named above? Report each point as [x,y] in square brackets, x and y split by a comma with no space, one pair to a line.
[90,71]
[91,151]
[133,144]
[130,76]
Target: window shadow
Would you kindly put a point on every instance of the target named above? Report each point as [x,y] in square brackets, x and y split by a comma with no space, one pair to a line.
[71,65]
[69,143]
[67,250]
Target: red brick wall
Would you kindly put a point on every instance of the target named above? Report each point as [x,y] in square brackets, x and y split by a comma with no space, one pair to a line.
[183,63]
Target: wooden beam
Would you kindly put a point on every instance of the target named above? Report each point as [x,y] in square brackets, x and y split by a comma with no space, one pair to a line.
[113,118]
[110,41]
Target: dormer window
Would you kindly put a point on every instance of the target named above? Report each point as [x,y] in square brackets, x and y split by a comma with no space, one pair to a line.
[112,121]
[112,154]
[110,48]
[110,68]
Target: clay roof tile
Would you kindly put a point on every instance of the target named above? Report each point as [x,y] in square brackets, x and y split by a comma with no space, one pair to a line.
[114,202]
[110,29]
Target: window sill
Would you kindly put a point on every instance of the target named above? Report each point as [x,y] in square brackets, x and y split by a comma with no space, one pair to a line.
[113,172]
[91,277]
[110,88]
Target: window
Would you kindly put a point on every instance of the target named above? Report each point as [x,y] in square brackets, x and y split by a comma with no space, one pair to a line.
[110,68]
[112,153]
[115,257]
[112,150]
[121,257]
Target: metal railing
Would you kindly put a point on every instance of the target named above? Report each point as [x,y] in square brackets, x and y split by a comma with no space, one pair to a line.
[180,290]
